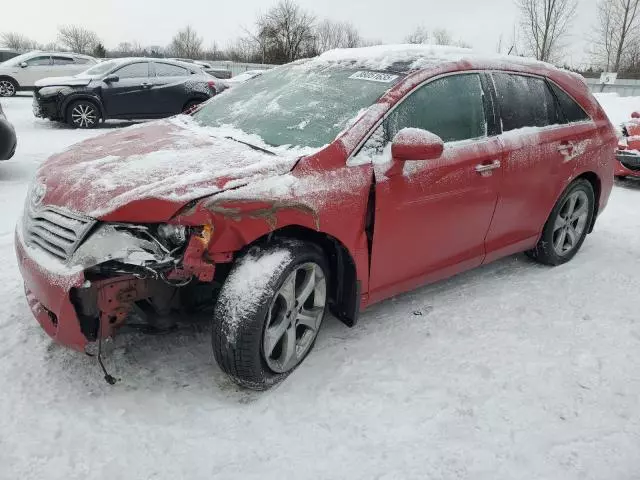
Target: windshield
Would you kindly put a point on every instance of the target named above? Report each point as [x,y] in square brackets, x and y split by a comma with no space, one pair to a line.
[12,62]
[301,104]
[101,68]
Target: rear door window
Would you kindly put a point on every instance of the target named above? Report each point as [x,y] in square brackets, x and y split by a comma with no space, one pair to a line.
[168,70]
[57,60]
[451,107]
[135,70]
[524,101]
[571,110]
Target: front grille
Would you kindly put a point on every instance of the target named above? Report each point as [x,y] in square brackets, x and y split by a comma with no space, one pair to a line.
[57,231]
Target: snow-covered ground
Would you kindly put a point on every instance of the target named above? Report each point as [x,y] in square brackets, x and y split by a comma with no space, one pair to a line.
[512,371]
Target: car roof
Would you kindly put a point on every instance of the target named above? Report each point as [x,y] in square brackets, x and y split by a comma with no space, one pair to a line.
[124,60]
[407,58]
[71,54]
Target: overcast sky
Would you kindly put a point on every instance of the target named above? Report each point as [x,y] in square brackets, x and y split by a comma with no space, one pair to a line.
[478,22]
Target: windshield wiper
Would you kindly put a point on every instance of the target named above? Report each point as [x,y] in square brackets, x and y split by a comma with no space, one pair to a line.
[255,147]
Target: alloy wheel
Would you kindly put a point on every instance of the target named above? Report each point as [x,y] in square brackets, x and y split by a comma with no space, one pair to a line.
[570,223]
[294,317]
[7,88]
[84,115]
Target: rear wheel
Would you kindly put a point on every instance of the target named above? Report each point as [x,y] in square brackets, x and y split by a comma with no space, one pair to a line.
[83,114]
[269,313]
[567,226]
[8,87]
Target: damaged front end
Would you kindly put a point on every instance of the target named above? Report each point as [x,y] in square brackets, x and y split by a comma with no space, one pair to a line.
[129,270]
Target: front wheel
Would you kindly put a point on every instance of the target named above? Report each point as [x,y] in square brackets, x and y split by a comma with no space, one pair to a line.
[8,87]
[269,313]
[567,226]
[83,114]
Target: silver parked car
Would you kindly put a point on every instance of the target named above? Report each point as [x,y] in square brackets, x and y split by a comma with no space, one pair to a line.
[23,71]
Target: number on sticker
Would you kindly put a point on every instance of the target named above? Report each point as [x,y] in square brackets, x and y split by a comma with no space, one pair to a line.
[374,76]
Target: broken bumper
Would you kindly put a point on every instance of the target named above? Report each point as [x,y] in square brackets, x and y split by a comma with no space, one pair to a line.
[48,295]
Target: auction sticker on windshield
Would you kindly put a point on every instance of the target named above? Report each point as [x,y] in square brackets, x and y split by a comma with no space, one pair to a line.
[374,76]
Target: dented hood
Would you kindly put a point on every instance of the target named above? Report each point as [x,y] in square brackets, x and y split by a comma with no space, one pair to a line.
[146,173]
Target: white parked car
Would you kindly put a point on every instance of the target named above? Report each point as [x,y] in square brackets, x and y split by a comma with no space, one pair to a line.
[23,71]
[243,77]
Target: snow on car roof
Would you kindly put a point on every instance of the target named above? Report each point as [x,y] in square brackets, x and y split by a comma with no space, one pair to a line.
[407,57]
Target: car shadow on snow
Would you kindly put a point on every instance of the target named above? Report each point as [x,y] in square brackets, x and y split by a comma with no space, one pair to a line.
[181,361]
[628,183]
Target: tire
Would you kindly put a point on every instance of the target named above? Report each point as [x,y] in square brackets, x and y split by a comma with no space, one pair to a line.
[8,87]
[83,114]
[257,336]
[561,239]
[190,106]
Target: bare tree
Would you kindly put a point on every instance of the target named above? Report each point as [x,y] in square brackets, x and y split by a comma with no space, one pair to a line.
[287,32]
[186,43]
[442,36]
[17,41]
[419,35]
[76,38]
[330,34]
[243,49]
[131,49]
[124,49]
[544,23]
[213,52]
[617,33]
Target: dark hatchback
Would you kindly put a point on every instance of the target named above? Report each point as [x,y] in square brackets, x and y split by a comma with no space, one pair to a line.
[130,88]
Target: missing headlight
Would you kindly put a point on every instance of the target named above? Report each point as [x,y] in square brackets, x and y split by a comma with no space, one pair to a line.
[175,234]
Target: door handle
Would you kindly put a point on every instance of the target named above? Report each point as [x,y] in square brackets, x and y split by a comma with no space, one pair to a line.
[146,85]
[487,167]
[566,147]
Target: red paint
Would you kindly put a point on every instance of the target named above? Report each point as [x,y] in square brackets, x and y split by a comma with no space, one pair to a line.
[432,218]
[410,145]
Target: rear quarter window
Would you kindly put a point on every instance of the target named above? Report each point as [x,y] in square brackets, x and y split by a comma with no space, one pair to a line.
[570,109]
[524,101]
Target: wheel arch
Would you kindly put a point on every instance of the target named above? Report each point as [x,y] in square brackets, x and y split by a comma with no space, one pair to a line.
[80,96]
[595,182]
[9,77]
[344,293]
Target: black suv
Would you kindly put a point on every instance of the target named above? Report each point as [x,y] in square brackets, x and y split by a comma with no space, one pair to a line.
[125,88]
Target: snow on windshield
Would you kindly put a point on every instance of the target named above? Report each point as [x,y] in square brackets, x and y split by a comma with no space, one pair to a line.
[306,103]
[12,62]
[101,68]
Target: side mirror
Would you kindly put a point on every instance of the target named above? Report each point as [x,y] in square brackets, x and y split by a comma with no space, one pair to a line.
[416,144]
[23,65]
[111,78]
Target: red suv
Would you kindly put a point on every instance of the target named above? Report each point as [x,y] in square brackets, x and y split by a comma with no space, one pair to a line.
[323,185]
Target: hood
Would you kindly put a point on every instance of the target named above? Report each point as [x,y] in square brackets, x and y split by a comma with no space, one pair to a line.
[147,172]
[63,82]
